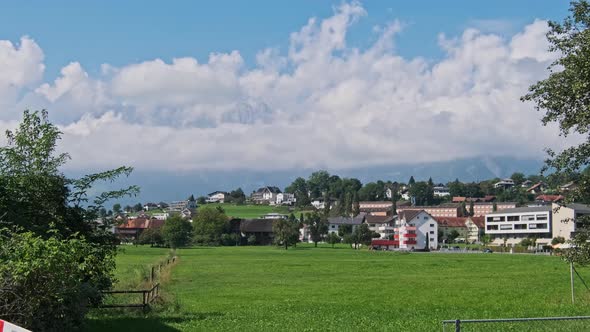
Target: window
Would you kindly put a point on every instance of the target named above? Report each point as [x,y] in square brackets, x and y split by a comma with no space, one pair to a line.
[431,225]
[541,217]
[520,226]
[431,239]
[425,218]
[540,226]
[431,232]
[333,226]
[492,227]
[528,217]
[506,227]
[513,218]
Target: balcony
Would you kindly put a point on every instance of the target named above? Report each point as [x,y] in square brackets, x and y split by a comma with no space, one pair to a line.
[410,242]
[410,235]
[411,228]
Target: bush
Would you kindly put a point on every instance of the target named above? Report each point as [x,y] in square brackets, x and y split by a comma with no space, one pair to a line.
[252,240]
[151,236]
[50,283]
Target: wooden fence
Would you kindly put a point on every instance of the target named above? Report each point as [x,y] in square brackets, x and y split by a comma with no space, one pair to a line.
[148,295]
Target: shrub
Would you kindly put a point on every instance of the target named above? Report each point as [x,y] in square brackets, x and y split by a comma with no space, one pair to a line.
[49,283]
[252,240]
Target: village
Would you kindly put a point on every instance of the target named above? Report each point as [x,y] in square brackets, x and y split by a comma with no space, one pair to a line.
[395,224]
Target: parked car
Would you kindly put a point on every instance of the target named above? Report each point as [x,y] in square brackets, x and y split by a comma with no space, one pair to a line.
[488,251]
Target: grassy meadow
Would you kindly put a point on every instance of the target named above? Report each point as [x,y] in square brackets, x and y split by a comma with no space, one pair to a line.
[325,289]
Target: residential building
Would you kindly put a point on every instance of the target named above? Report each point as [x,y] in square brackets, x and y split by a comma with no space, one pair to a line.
[542,222]
[217,197]
[384,225]
[564,219]
[261,229]
[443,210]
[274,215]
[514,225]
[150,206]
[568,187]
[285,199]
[548,199]
[265,195]
[526,184]
[319,203]
[178,206]
[537,188]
[461,199]
[476,228]
[504,183]
[483,208]
[334,223]
[441,191]
[380,208]
[446,225]
[131,229]
[415,230]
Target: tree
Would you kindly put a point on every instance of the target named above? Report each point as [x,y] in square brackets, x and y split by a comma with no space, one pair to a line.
[237,196]
[518,178]
[318,227]
[177,232]
[333,238]
[137,207]
[117,208]
[471,210]
[61,256]
[344,230]
[362,235]
[300,189]
[286,231]
[347,209]
[494,207]
[452,236]
[411,181]
[558,240]
[209,224]
[202,200]
[422,193]
[356,207]
[151,236]
[564,99]
[456,188]
[485,239]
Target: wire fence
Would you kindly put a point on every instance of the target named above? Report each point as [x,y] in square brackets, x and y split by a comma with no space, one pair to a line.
[574,323]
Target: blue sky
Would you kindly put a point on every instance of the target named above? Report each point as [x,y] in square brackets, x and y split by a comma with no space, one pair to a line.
[122,32]
[258,87]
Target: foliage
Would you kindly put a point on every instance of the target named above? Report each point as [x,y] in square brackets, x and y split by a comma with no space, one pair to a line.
[422,193]
[48,284]
[286,231]
[564,99]
[209,224]
[333,239]
[252,240]
[318,227]
[558,240]
[42,208]
[177,232]
[151,236]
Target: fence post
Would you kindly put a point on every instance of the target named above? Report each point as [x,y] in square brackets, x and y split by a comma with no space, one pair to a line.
[572,279]
[153,274]
[458,325]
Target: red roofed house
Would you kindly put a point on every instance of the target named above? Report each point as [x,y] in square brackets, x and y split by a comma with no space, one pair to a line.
[537,188]
[131,229]
[549,198]
[476,227]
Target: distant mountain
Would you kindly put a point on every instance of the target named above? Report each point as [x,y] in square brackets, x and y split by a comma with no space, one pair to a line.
[169,186]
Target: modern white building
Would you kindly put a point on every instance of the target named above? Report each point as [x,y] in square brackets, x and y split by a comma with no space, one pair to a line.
[514,225]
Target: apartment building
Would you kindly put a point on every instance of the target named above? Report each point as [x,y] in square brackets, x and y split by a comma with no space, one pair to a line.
[414,230]
[514,225]
[443,210]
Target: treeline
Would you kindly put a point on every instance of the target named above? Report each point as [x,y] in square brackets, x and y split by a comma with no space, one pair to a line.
[347,191]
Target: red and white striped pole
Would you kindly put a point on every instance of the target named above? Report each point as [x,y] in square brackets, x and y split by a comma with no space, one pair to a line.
[7,327]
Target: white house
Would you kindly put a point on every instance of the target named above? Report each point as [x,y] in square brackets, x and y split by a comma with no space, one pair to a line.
[441,191]
[319,203]
[285,199]
[415,230]
[266,194]
[504,183]
[217,197]
[334,223]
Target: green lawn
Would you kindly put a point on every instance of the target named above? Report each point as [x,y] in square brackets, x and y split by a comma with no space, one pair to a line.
[324,289]
[249,211]
[134,264]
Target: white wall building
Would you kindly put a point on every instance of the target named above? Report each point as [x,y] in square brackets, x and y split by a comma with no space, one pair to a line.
[285,199]
[514,225]
[414,230]
[441,191]
[217,197]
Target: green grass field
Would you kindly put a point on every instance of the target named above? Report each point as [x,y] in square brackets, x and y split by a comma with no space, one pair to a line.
[325,289]
[249,211]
